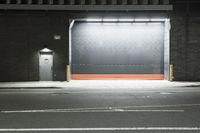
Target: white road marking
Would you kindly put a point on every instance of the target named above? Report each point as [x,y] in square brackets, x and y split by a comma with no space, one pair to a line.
[155,106]
[102,129]
[85,111]
[140,106]
[108,109]
[117,108]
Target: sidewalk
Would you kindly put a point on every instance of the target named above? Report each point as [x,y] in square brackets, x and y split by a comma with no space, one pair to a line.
[101,84]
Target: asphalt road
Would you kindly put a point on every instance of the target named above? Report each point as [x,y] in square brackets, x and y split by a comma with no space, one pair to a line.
[60,110]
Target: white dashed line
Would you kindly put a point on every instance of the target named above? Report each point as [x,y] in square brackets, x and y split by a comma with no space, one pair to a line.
[102,129]
[108,109]
[85,111]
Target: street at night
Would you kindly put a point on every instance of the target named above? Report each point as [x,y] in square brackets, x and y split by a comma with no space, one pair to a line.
[126,108]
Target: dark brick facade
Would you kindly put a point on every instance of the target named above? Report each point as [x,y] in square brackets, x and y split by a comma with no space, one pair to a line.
[185,47]
[185,40]
[23,34]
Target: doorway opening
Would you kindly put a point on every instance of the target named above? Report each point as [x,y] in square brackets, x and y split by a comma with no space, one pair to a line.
[114,49]
[46,65]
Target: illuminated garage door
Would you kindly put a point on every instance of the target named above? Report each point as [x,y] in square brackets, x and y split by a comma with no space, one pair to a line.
[117,50]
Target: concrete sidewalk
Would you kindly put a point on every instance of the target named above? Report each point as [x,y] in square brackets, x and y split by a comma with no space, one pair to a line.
[101,84]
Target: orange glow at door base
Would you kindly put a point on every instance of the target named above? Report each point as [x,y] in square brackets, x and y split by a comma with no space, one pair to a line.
[118,76]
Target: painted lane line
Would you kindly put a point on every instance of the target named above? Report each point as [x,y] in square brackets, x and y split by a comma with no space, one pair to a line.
[107,108]
[140,106]
[102,129]
[86,111]
[155,106]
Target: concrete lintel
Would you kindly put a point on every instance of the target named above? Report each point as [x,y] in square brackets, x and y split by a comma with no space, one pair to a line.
[88,7]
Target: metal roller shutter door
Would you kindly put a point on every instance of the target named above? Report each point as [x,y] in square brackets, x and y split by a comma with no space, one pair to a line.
[117,50]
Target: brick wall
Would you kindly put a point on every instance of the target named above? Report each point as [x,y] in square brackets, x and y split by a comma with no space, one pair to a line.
[22,35]
[185,40]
